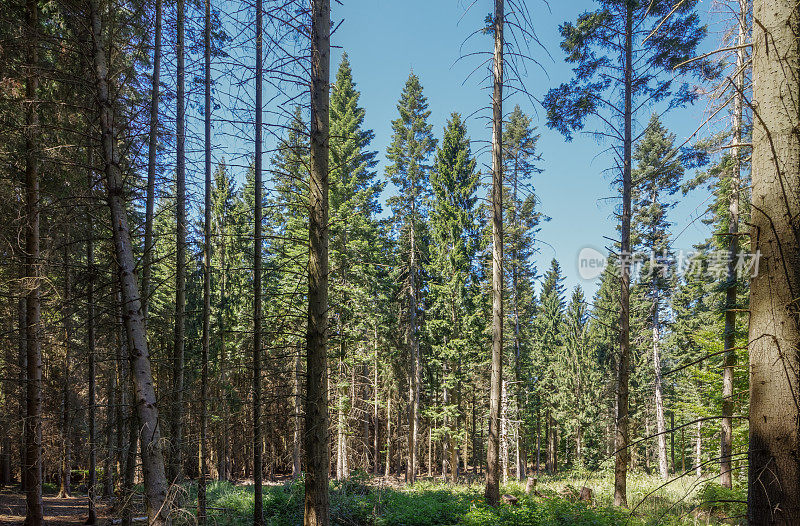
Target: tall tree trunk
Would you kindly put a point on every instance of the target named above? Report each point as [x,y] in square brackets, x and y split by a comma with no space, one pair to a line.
[66,417]
[388,467]
[258,513]
[774,465]
[90,346]
[661,427]
[203,461]
[316,428]
[493,450]
[152,150]
[414,375]
[698,450]
[298,415]
[729,334]
[155,482]
[621,437]
[179,343]
[504,455]
[22,362]
[375,415]
[33,265]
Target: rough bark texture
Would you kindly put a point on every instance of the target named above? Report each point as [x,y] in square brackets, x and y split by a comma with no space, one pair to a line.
[774,463]
[203,462]
[33,421]
[621,436]
[152,149]
[316,428]
[155,482]
[179,342]
[258,512]
[90,349]
[493,450]
[729,334]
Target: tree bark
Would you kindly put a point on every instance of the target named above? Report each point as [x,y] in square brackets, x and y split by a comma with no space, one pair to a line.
[493,451]
[155,482]
[316,428]
[661,427]
[621,437]
[33,264]
[90,346]
[297,437]
[176,418]
[774,465]
[731,289]
[64,490]
[258,512]
[203,461]
[152,150]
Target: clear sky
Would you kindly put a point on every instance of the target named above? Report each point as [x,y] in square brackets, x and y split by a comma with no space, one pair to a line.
[385,39]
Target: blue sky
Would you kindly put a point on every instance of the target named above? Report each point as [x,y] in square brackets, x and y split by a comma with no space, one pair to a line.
[386,39]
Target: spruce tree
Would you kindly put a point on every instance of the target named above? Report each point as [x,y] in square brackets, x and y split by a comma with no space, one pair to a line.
[409,152]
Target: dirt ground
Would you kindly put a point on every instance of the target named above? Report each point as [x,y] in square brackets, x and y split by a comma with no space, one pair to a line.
[57,512]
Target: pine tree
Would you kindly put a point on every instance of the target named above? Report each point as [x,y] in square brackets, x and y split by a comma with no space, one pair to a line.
[411,146]
[624,54]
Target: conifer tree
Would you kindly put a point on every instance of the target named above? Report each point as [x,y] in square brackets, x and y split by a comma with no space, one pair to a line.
[624,53]
[453,228]
[409,152]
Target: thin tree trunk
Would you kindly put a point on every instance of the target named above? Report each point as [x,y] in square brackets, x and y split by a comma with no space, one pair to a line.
[729,334]
[661,427]
[504,455]
[179,343]
[90,345]
[298,410]
[388,468]
[22,357]
[414,375]
[155,482]
[621,436]
[258,513]
[316,511]
[66,417]
[33,263]
[493,450]
[203,461]
[152,150]
[774,465]
[698,450]
[375,415]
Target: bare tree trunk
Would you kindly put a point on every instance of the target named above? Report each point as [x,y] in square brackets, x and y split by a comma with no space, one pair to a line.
[375,415]
[22,358]
[152,150]
[155,482]
[203,461]
[258,512]
[729,334]
[493,450]
[33,272]
[66,417]
[621,437]
[414,375]
[661,427]
[176,418]
[504,455]
[388,468]
[698,450]
[316,429]
[90,345]
[298,410]
[774,465]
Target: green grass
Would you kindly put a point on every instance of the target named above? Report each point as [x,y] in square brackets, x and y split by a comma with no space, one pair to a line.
[361,501]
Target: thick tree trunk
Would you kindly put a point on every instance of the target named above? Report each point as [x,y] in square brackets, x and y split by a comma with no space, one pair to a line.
[493,450]
[203,461]
[316,428]
[414,374]
[729,334]
[176,417]
[258,512]
[621,437]
[155,483]
[33,272]
[774,463]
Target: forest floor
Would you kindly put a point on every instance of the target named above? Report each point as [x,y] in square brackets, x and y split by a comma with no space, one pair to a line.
[70,511]
[366,501]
